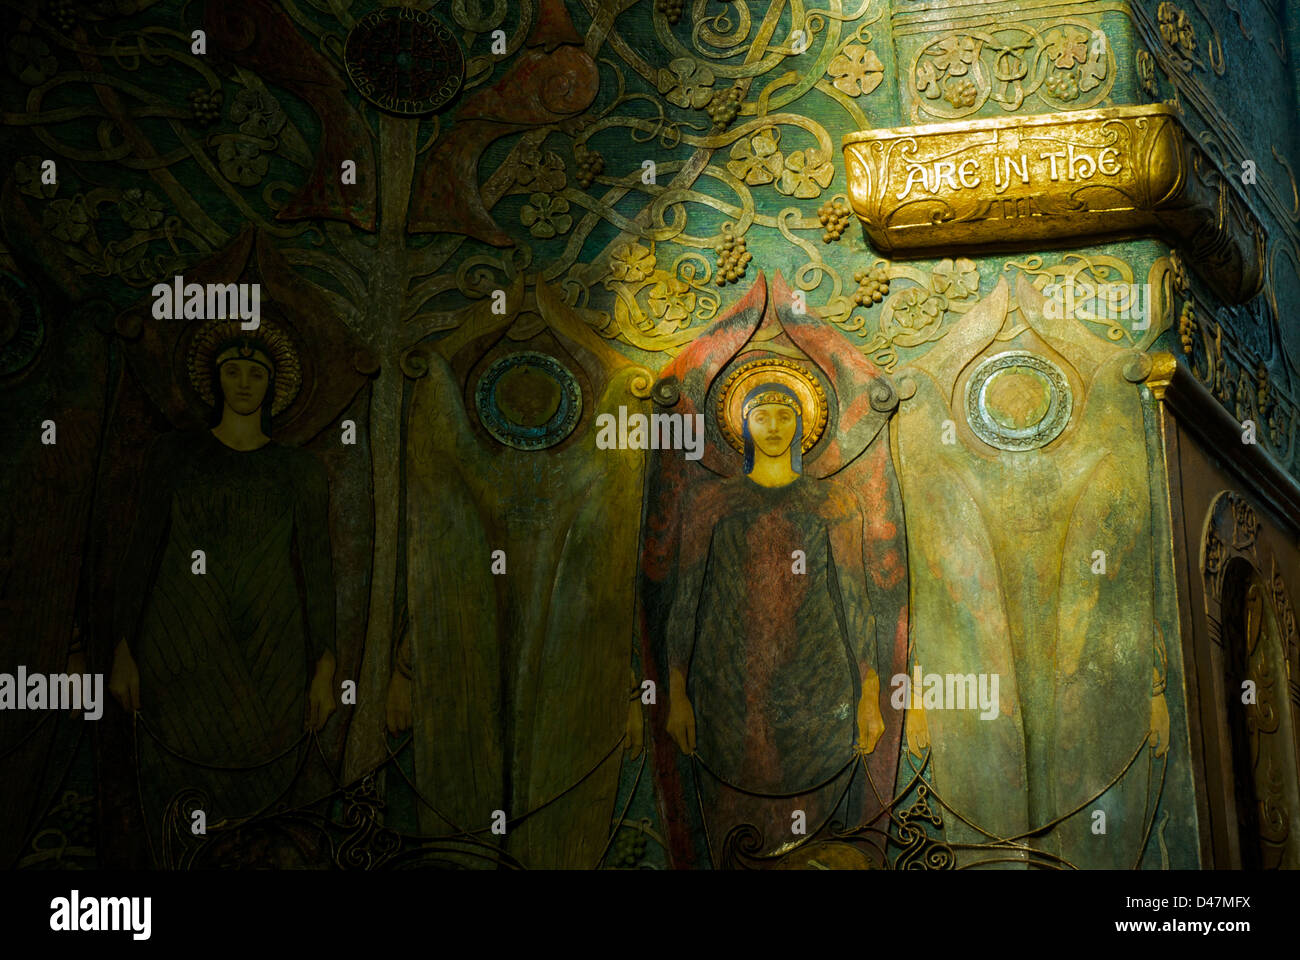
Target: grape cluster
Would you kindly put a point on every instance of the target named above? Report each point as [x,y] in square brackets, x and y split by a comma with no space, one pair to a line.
[960,93]
[835,217]
[732,258]
[628,849]
[1186,327]
[206,105]
[873,286]
[724,106]
[1063,86]
[62,13]
[671,9]
[590,165]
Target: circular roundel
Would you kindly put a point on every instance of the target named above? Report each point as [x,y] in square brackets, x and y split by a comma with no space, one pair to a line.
[22,328]
[1018,400]
[404,61]
[528,400]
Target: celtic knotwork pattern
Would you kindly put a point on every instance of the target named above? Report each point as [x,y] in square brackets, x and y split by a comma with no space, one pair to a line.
[920,850]
[1040,66]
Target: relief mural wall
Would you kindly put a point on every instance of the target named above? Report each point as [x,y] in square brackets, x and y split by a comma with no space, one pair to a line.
[610,434]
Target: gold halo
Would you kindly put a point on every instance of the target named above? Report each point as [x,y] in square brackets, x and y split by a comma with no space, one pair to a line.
[288,371]
[796,377]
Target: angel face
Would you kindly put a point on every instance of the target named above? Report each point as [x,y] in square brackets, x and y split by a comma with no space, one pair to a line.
[772,425]
[244,384]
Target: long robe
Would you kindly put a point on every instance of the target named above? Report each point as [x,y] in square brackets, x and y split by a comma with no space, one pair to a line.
[773,652]
[225,657]
[1005,582]
[766,325]
[48,489]
[521,679]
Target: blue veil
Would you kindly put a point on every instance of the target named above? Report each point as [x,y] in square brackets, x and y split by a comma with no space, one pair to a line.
[773,393]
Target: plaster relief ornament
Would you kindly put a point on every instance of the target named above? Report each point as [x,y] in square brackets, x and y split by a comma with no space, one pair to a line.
[528,400]
[1018,400]
[552,80]
[775,590]
[1044,480]
[404,61]
[227,652]
[522,533]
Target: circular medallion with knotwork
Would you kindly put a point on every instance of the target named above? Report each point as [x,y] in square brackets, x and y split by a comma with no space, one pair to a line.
[1018,400]
[404,61]
[528,400]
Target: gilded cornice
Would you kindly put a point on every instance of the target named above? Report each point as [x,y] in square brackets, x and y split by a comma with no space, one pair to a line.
[920,17]
[1082,176]
[1222,136]
[1199,413]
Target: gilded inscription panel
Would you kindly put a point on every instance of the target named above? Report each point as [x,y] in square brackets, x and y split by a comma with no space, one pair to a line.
[1053,179]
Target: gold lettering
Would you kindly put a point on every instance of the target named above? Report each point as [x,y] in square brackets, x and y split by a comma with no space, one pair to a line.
[973,168]
[915,173]
[943,173]
[1088,164]
[1002,171]
[1053,156]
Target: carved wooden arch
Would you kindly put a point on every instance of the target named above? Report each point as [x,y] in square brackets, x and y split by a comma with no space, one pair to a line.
[1246,602]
